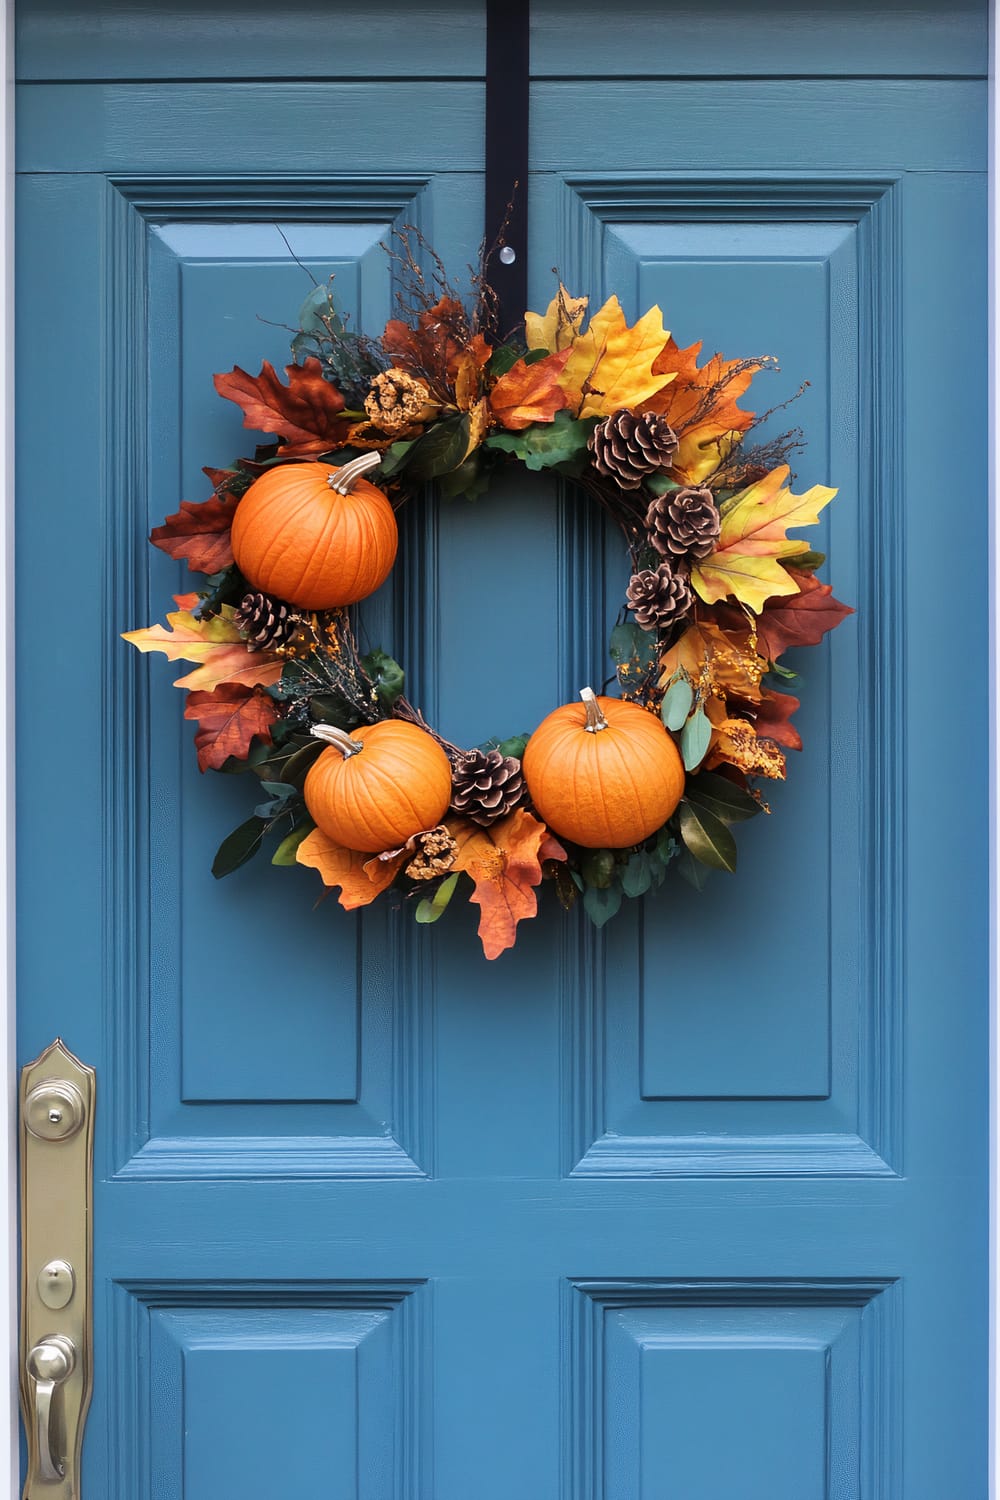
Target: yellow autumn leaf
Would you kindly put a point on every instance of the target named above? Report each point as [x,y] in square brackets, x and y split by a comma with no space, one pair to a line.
[215,644]
[746,563]
[559,325]
[611,365]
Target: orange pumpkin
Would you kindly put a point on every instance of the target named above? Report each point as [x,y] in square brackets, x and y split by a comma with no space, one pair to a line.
[316,536]
[375,788]
[603,773]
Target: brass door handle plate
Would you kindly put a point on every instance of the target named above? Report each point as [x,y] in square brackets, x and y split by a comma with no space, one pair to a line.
[57,1146]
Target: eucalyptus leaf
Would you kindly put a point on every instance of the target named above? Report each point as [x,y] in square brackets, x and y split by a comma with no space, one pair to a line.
[707,837]
[632,649]
[285,852]
[777,670]
[242,844]
[733,804]
[660,484]
[693,871]
[433,907]
[601,905]
[598,868]
[695,738]
[808,561]
[677,703]
[637,876]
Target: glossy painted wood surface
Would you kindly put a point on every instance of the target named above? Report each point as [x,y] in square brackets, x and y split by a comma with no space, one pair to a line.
[695,1208]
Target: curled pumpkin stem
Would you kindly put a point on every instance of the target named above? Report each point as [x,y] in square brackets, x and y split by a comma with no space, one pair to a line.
[337,737]
[346,477]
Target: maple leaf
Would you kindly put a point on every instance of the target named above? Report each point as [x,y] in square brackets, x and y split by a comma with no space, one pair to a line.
[199,532]
[721,656]
[359,877]
[559,325]
[214,643]
[611,365]
[228,719]
[772,719]
[800,619]
[504,862]
[700,406]
[434,348]
[306,413]
[745,564]
[530,393]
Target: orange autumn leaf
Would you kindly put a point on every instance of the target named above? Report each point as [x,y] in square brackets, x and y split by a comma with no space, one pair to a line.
[306,413]
[735,742]
[700,405]
[359,877]
[530,393]
[612,365]
[727,661]
[228,721]
[200,533]
[504,862]
[214,644]
[434,348]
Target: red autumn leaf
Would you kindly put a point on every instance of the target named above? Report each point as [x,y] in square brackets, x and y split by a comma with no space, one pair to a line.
[199,532]
[228,719]
[305,413]
[800,619]
[772,719]
[505,864]
[530,393]
[434,348]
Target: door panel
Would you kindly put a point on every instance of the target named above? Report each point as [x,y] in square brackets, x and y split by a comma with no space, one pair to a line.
[695,1207]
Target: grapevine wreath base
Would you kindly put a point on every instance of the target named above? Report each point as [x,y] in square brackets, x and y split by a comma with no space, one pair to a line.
[608,792]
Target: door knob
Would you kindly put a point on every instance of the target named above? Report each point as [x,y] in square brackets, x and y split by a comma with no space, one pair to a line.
[48,1365]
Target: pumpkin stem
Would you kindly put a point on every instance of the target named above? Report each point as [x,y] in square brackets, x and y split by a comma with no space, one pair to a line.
[595,719]
[344,479]
[333,736]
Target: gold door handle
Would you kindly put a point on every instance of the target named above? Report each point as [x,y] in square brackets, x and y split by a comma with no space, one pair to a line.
[48,1365]
[56,1354]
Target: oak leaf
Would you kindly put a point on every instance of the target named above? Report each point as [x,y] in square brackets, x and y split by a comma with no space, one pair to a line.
[359,877]
[215,644]
[558,326]
[200,533]
[700,406]
[504,862]
[228,720]
[800,619]
[746,563]
[530,393]
[611,365]
[306,413]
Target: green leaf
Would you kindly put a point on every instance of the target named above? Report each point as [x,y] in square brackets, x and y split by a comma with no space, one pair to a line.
[660,484]
[598,868]
[563,441]
[777,670]
[395,458]
[387,676]
[806,561]
[637,876]
[242,844]
[293,764]
[285,852]
[432,907]
[601,905]
[504,359]
[468,481]
[707,837]
[695,738]
[693,871]
[514,746]
[441,448]
[633,650]
[677,703]
[666,847]
[733,804]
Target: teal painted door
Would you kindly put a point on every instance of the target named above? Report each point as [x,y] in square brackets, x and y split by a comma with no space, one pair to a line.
[696,1209]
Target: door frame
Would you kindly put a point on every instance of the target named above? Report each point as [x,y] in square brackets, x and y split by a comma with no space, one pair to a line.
[9,1430]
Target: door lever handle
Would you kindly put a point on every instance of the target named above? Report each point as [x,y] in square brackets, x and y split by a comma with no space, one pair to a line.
[48,1365]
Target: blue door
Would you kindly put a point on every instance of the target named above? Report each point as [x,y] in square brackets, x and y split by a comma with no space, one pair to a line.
[643,1213]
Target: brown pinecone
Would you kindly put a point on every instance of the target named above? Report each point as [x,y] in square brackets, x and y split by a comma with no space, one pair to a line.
[658,599]
[436,853]
[627,446]
[486,786]
[684,523]
[398,399]
[268,622]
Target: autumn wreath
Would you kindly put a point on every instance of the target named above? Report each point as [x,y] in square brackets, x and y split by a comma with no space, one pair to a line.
[607,792]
